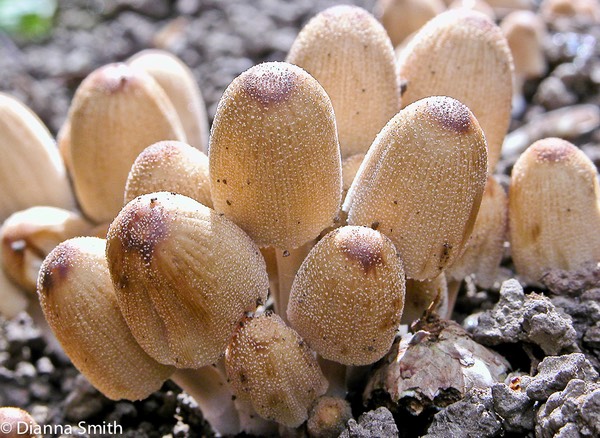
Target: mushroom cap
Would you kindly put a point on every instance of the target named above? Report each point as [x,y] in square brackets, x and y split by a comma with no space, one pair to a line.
[170,166]
[421,184]
[79,303]
[400,18]
[31,170]
[116,112]
[485,248]
[554,209]
[525,32]
[349,53]
[269,364]
[28,236]
[275,166]
[178,82]
[348,295]
[184,277]
[464,55]
[14,421]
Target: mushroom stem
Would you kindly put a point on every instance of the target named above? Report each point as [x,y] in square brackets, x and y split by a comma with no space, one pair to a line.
[209,388]
[335,373]
[288,263]
[453,288]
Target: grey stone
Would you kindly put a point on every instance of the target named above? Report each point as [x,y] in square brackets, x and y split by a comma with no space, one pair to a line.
[377,423]
[514,407]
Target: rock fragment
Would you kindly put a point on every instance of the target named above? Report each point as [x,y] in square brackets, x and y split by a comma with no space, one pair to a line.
[379,422]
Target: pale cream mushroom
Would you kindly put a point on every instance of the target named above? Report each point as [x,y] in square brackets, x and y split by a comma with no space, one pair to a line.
[17,423]
[350,54]
[116,112]
[554,209]
[422,182]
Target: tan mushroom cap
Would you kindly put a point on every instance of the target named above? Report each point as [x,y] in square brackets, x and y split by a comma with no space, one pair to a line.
[400,18]
[525,32]
[170,166]
[350,54]
[485,248]
[31,170]
[178,82]
[275,166]
[552,10]
[117,111]
[554,209]
[421,184]
[464,55]
[79,303]
[475,5]
[269,364]
[348,295]
[17,423]
[28,236]
[184,277]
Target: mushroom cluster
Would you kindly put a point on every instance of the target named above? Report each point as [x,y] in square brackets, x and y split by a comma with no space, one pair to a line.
[259,266]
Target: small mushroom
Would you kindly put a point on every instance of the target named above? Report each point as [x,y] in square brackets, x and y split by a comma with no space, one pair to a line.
[328,417]
[475,5]
[31,170]
[269,364]
[178,82]
[422,182]
[554,209]
[116,112]
[184,277]
[349,53]
[17,423]
[400,18]
[348,295]
[275,166]
[585,10]
[464,55]
[79,303]
[170,166]
[28,236]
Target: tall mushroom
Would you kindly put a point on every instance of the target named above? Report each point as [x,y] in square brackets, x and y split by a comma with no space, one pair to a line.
[275,166]
[422,182]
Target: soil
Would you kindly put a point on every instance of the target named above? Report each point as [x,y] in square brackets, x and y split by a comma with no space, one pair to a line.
[219,40]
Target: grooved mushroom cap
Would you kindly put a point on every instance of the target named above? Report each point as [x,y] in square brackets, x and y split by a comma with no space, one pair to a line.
[31,170]
[79,303]
[348,295]
[116,112]
[275,166]
[28,236]
[421,184]
[14,421]
[349,53]
[464,55]
[184,277]
[178,82]
[170,166]
[268,364]
[554,209]
[400,18]
[485,248]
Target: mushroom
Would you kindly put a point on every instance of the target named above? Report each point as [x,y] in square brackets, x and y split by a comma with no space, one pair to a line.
[17,423]
[475,5]
[400,18]
[350,54]
[184,276]
[422,182]
[348,295]
[28,236]
[31,170]
[485,248]
[80,305]
[328,417]
[269,364]
[464,55]
[554,209]
[421,295]
[586,10]
[178,82]
[170,166]
[275,166]
[116,112]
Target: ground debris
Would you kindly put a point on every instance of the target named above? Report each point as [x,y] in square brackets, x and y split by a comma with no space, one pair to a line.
[532,318]
[434,367]
[377,423]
